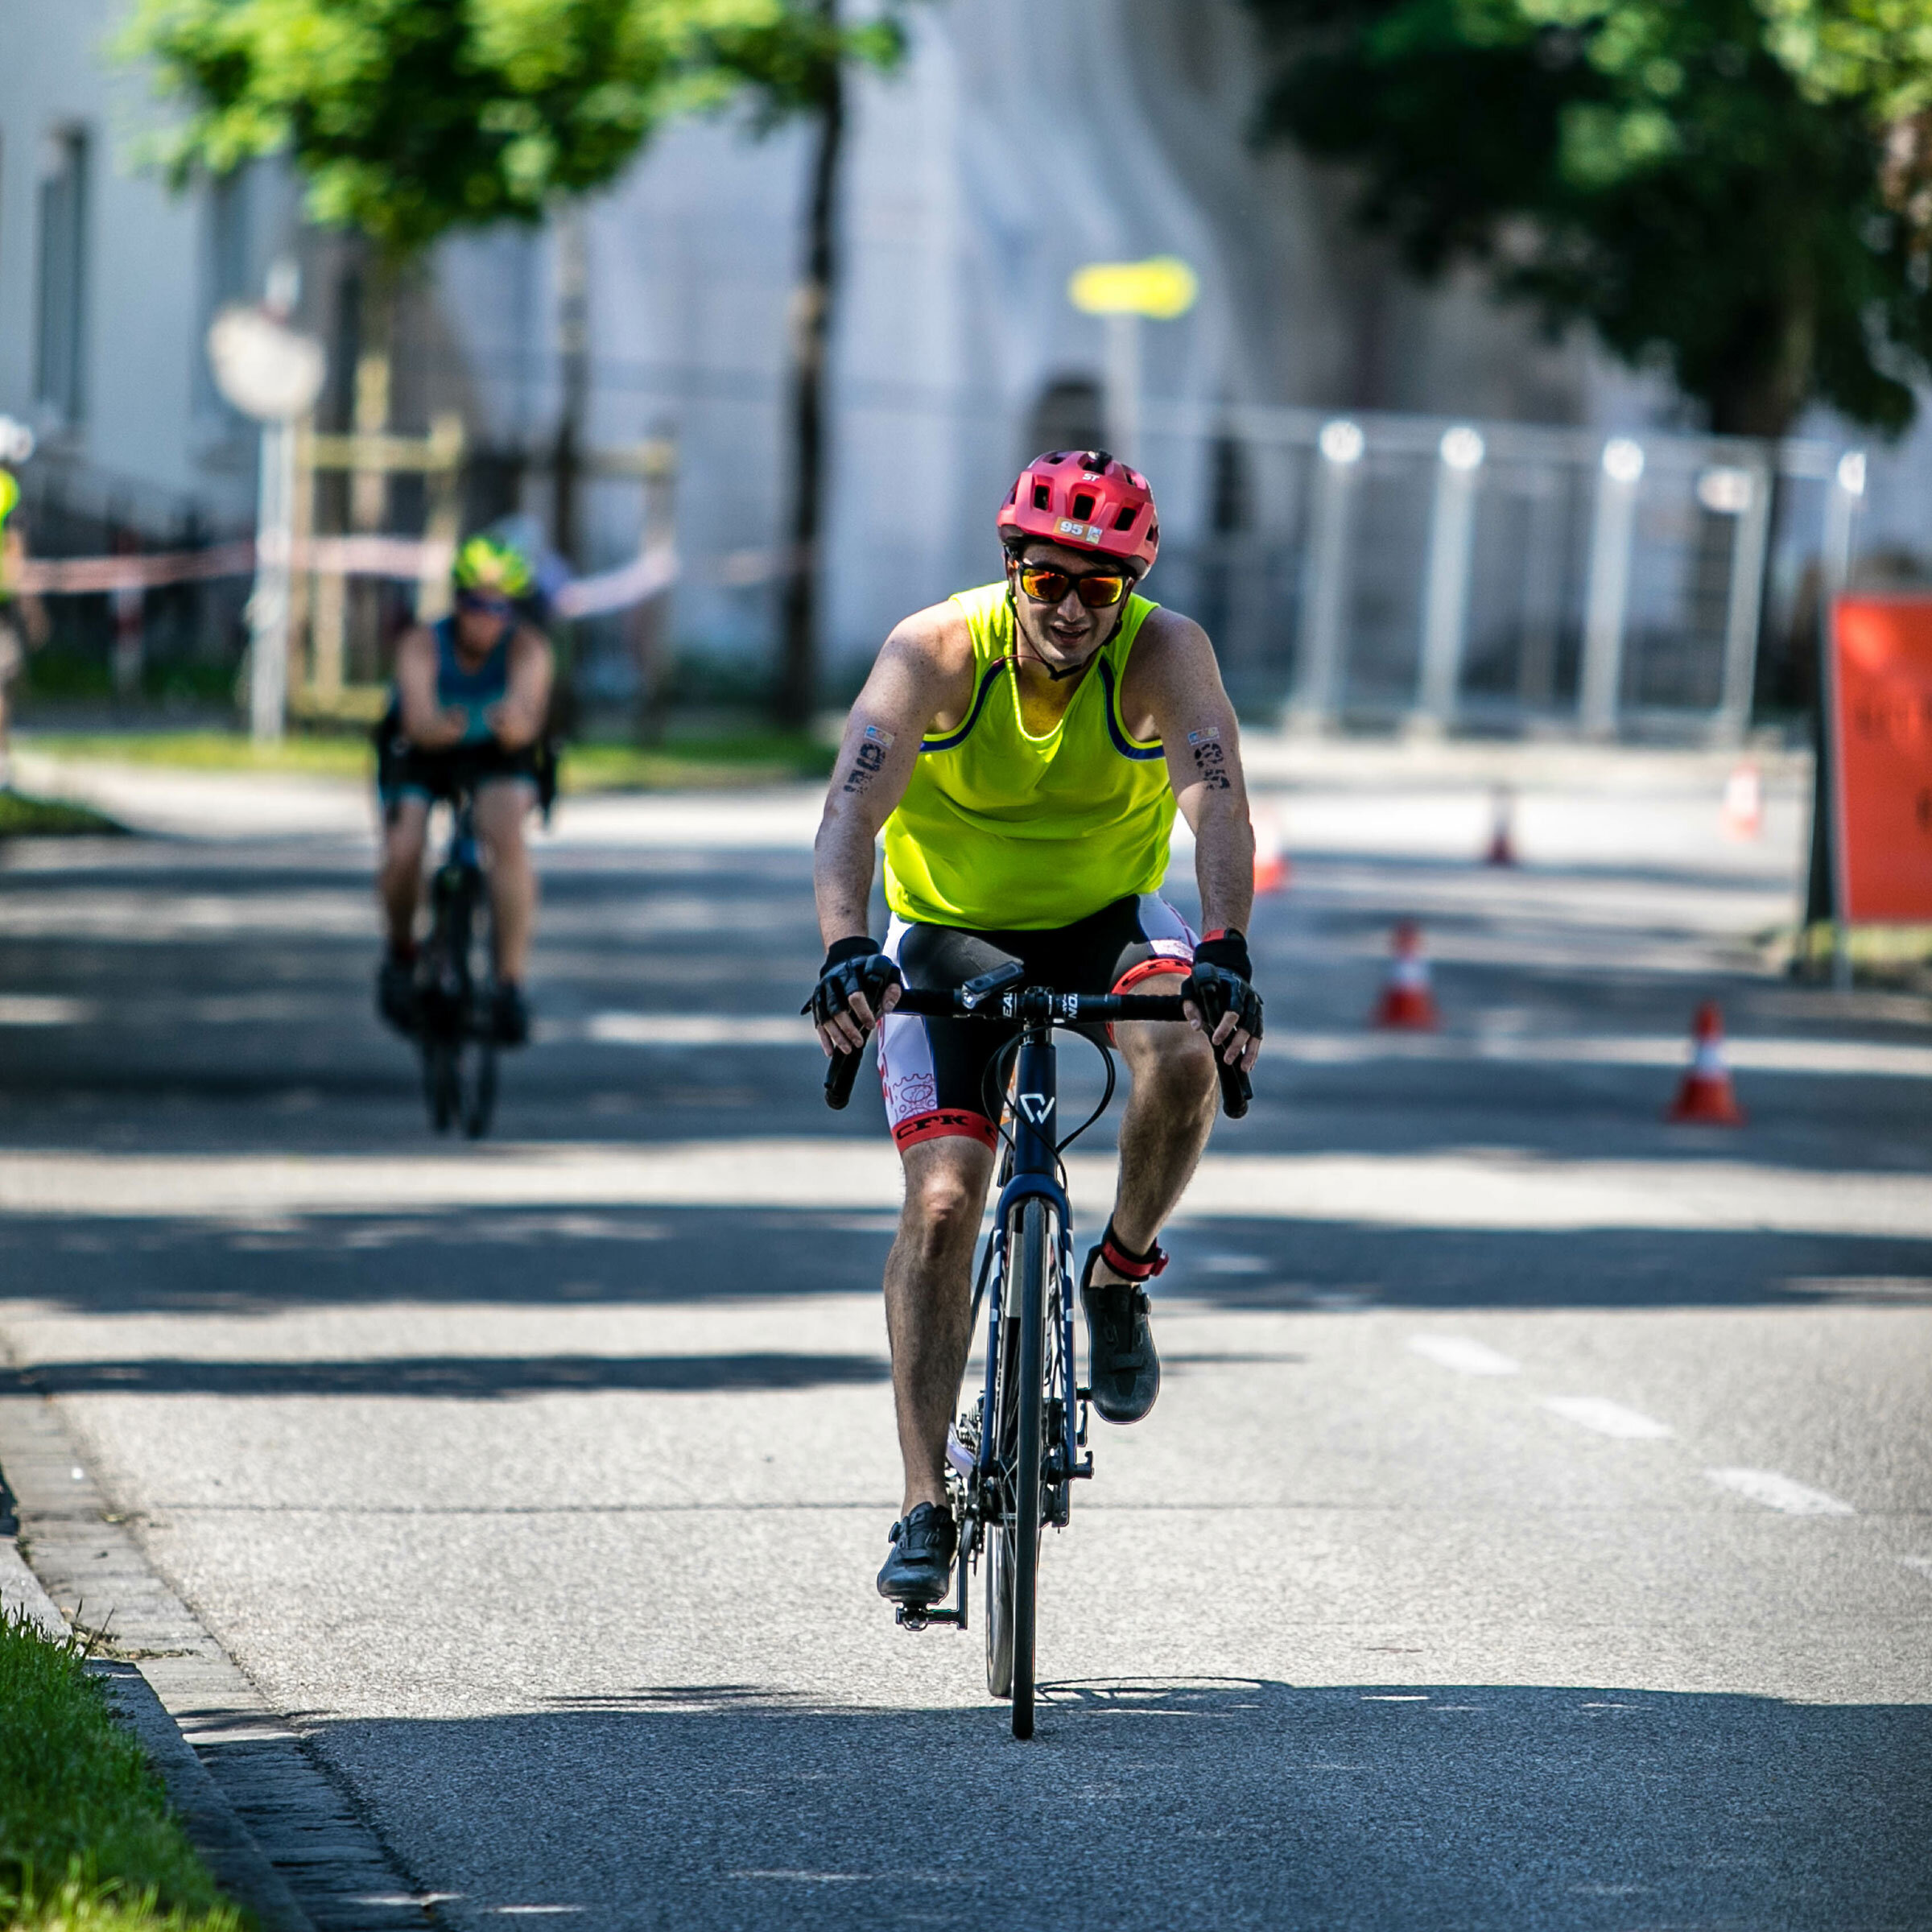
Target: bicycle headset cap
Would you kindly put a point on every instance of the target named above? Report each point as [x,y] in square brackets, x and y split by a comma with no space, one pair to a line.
[488,563]
[1086,500]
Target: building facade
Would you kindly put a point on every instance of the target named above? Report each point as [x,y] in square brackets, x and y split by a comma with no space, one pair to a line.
[1022,138]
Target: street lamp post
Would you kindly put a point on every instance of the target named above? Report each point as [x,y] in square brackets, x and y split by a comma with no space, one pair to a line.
[271,372]
[1317,695]
[1622,470]
[1446,595]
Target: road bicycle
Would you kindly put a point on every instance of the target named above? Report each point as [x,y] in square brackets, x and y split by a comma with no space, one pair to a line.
[1013,1458]
[456,984]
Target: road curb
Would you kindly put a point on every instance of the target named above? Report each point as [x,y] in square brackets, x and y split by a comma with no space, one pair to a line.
[281,1834]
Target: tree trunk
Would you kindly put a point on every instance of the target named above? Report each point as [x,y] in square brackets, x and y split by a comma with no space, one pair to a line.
[573,358]
[811,331]
[1766,380]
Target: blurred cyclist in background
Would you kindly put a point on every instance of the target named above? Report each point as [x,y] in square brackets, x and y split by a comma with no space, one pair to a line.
[22,619]
[471,695]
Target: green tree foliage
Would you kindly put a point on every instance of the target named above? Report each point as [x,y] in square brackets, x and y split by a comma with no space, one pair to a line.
[408,119]
[1740,186]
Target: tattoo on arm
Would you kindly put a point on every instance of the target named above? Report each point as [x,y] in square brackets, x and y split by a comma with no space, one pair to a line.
[1210,758]
[869,760]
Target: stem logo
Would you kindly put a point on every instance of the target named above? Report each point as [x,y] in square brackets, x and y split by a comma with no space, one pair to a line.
[1036,1107]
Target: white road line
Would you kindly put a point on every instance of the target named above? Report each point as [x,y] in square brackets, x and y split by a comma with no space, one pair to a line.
[1606,1418]
[685,1029]
[1921,1564]
[43,1009]
[1457,1351]
[1865,1058]
[1776,1491]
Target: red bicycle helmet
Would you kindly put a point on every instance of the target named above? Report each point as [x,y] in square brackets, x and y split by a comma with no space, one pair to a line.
[1087,500]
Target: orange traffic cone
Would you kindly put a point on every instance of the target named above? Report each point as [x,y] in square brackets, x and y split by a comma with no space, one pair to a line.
[1502,827]
[1270,865]
[1705,1095]
[1408,1001]
[1743,816]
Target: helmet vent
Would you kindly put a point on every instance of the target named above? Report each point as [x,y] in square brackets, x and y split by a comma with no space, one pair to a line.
[1041,498]
[1125,520]
[1083,504]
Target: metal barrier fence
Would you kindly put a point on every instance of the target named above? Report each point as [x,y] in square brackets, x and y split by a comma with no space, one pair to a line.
[1378,571]
[1402,570]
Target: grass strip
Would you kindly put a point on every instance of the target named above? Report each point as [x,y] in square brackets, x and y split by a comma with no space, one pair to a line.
[25,817]
[709,761]
[346,755]
[87,1841]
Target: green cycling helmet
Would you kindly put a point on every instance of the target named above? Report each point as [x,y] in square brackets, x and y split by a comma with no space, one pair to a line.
[488,563]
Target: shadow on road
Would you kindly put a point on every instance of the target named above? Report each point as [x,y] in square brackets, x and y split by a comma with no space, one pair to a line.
[464,1377]
[1216,1803]
[694,1255]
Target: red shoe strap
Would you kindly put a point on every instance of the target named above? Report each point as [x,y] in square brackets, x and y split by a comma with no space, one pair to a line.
[1131,1267]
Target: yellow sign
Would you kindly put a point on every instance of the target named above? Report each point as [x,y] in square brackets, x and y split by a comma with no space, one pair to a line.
[1163,286]
[10,493]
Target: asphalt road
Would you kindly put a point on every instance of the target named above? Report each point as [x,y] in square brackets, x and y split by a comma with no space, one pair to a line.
[1535,1528]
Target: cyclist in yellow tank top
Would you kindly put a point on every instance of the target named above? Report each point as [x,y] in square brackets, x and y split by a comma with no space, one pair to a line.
[1024,747]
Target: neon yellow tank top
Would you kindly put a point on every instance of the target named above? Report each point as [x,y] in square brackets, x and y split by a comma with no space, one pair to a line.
[1000,830]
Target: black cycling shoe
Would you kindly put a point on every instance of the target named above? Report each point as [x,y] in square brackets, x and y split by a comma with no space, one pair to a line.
[510,1014]
[920,1566]
[396,993]
[1120,1338]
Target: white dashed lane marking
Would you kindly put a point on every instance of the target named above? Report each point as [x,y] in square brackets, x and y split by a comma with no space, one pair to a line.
[1466,1357]
[1776,1491]
[1606,1418]
[1921,1564]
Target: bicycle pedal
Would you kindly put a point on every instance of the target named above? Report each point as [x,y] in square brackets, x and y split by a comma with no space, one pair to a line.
[912,1616]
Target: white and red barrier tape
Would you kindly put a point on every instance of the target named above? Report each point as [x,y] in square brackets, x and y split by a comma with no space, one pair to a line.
[77,576]
[409,559]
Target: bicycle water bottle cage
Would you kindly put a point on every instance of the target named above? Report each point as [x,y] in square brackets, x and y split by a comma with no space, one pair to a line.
[988,984]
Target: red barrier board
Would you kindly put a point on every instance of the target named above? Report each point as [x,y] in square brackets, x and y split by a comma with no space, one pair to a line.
[1881,753]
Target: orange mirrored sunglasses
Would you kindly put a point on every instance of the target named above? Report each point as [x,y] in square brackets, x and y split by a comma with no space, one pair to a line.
[1097,589]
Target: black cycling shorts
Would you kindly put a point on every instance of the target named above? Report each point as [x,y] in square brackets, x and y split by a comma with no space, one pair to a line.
[405,769]
[934,1071]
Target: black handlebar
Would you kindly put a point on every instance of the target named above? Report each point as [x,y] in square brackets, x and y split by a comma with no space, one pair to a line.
[1040,1003]
[841,1072]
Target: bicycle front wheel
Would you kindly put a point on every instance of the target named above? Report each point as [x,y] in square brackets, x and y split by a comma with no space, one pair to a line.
[1027,1376]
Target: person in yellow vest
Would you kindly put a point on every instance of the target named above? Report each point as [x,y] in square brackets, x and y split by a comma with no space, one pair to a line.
[1024,747]
[22,616]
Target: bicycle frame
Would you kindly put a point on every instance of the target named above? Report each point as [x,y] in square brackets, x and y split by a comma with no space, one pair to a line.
[450,1025]
[1050,1420]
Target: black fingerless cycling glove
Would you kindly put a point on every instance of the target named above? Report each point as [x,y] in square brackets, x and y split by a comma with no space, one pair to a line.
[1227,950]
[1222,982]
[852,966]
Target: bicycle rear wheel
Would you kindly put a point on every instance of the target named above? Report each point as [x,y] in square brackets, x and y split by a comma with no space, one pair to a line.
[442,1081]
[1013,1573]
[479,1103]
